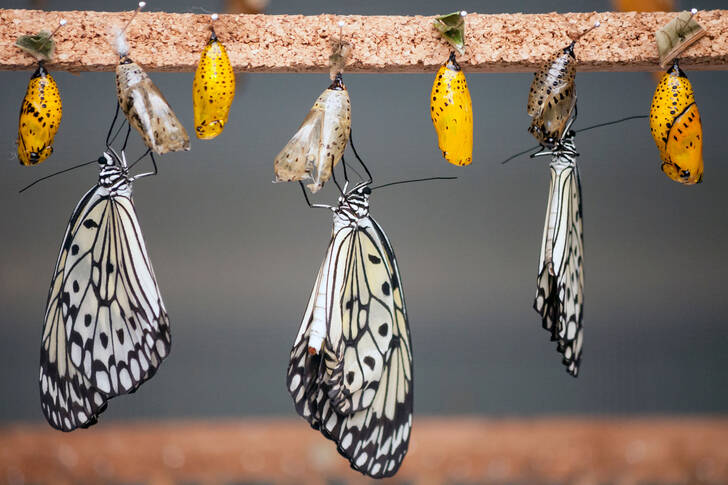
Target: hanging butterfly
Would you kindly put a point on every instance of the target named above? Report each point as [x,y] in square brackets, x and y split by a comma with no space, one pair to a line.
[560,296]
[144,105]
[213,89]
[350,372]
[552,97]
[318,145]
[41,110]
[106,330]
[451,108]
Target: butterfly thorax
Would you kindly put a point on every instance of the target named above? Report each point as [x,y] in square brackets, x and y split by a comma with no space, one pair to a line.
[114,180]
[564,154]
[353,207]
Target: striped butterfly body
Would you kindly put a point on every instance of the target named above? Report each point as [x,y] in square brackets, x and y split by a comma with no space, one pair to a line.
[106,330]
[350,373]
[560,299]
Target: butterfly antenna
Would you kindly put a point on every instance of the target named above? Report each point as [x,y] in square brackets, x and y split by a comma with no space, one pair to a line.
[635,117]
[57,173]
[598,125]
[518,154]
[411,181]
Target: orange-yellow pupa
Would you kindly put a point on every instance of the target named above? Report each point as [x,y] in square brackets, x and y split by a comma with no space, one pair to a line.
[451,111]
[213,89]
[41,110]
[676,128]
[318,145]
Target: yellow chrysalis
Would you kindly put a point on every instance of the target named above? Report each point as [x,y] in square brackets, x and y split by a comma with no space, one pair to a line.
[40,117]
[676,128]
[318,145]
[41,110]
[452,113]
[213,90]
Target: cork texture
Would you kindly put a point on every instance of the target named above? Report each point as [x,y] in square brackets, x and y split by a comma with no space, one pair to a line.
[294,43]
[538,451]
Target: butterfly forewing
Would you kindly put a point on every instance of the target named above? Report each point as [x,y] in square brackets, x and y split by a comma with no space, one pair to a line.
[559,299]
[106,329]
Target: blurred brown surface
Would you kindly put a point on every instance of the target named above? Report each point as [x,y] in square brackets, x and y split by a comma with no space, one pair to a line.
[578,451]
[644,5]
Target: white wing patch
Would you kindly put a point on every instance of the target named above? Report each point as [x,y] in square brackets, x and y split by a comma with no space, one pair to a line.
[358,390]
[560,299]
[106,330]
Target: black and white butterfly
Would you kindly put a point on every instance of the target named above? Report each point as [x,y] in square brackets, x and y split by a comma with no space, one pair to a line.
[106,329]
[560,299]
[350,372]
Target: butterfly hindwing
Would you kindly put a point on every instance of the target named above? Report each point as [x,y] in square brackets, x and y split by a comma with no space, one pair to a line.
[358,389]
[559,300]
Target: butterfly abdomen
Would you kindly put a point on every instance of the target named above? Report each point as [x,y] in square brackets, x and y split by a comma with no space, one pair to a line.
[213,90]
[451,110]
[676,128]
[40,117]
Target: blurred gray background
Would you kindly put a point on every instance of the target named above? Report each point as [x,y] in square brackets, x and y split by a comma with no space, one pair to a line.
[236,256]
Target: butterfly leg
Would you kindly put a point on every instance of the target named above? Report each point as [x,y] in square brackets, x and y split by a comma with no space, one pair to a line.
[109,139]
[154,163]
[351,142]
[313,206]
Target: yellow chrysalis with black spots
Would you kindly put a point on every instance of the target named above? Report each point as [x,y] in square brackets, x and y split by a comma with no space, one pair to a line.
[452,113]
[676,128]
[213,90]
[40,116]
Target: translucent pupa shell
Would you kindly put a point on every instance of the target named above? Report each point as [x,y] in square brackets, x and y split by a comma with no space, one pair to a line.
[552,98]
[213,90]
[40,116]
[452,113]
[676,128]
[318,145]
[147,110]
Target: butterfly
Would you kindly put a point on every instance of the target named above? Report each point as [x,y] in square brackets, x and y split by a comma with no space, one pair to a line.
[106,329]
[350,371]
[560,299]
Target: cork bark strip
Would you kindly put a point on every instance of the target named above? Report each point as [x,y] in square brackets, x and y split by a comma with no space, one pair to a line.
[162,41]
